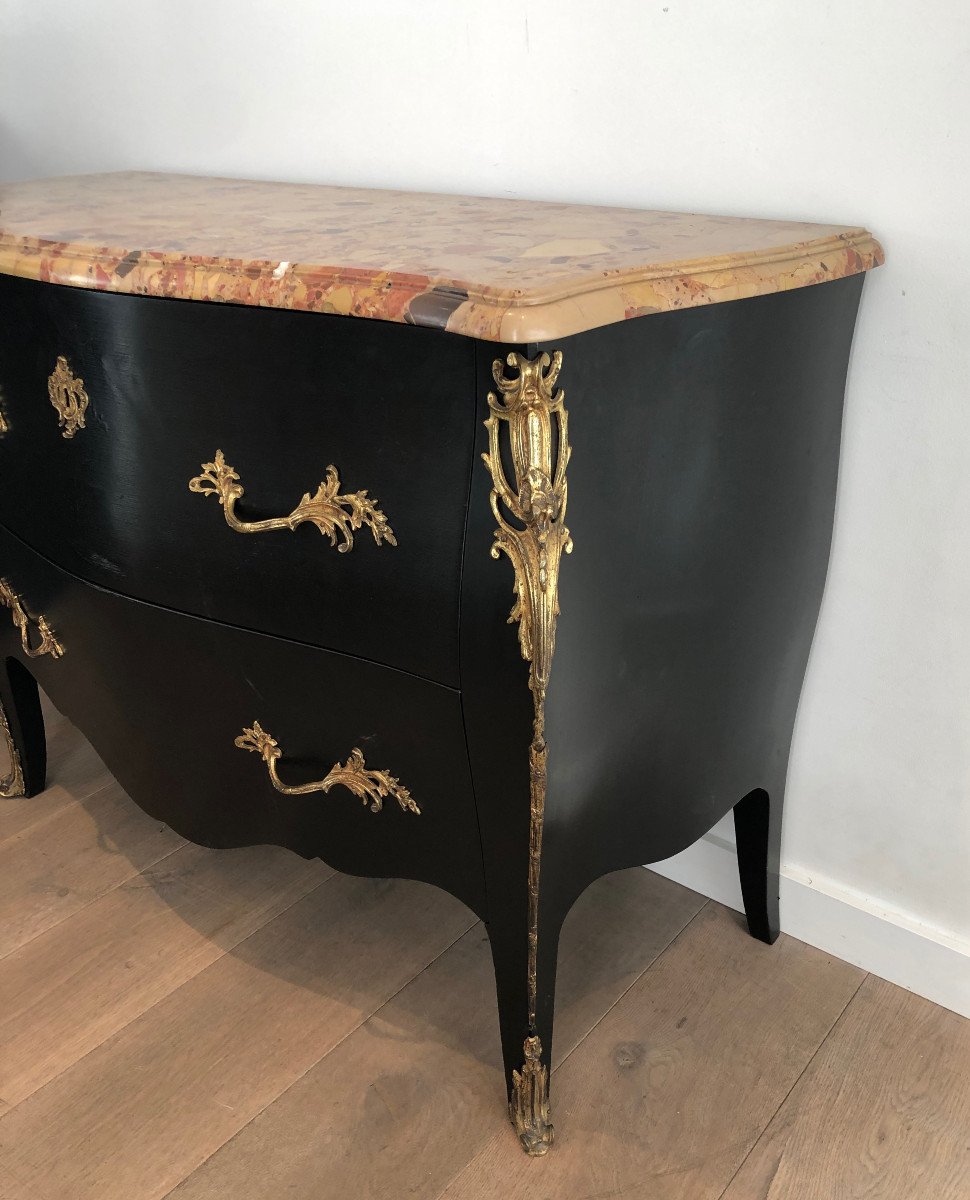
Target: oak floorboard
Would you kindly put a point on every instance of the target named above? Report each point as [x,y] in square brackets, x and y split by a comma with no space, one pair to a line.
[676,1084]
[157,1050]
[139,1113]
[400,1106]
[53,869]
[72,987]
[882,1113]
[13,1189]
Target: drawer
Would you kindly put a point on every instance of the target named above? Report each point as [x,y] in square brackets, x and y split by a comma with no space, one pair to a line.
[166,700]
[284,396]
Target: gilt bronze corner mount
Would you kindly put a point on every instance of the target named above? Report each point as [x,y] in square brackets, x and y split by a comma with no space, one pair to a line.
[12,784]
[530,511]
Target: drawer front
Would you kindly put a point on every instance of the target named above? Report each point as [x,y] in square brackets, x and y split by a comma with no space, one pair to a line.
[290,547]
[172,704]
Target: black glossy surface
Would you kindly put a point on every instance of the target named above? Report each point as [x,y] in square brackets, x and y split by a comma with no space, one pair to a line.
[701,496]
[161,697]
[282,394]
[758,845]
[25,720]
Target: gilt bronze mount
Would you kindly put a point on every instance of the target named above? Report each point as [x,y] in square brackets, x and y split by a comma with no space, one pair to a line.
[331,512]
[372,787]
[12,784]
[67,394]
[534,539]
[48,643]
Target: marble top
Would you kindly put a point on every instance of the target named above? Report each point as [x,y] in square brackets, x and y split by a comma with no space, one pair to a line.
[499,270]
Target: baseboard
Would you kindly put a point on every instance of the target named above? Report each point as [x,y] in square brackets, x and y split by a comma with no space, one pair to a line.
[922,960]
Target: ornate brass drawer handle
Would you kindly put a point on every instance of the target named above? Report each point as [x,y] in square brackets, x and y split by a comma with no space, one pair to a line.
[331,512]
[369,786]
[48,644]
[68,396]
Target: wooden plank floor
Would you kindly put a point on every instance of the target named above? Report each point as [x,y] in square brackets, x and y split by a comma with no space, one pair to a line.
[241,1025]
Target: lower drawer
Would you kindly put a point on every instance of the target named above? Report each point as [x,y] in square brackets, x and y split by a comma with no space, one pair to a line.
[166,700]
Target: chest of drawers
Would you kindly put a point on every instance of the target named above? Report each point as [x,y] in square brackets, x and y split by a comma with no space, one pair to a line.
[475,542]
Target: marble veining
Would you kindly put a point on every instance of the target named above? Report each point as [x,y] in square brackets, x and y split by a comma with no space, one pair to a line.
[498,270]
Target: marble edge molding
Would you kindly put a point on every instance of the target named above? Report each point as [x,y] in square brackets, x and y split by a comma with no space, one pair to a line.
[499,315]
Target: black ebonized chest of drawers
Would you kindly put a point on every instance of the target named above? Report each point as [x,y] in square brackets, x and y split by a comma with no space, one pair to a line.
[251,553]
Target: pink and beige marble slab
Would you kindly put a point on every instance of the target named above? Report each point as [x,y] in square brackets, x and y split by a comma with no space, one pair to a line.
[499,270]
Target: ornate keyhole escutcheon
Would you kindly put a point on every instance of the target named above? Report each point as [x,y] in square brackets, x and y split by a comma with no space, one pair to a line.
[67,395]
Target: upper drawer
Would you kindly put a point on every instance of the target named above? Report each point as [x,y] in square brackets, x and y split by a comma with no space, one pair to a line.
[284,396]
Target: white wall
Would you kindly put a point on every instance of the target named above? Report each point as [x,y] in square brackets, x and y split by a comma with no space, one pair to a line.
[855,112]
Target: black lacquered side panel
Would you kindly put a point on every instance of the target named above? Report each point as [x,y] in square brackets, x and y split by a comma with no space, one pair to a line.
[701,490]
[283,395]
[701,496]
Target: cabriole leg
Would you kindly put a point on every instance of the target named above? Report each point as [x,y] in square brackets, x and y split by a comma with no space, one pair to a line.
[526,1030]
[757,825]
[519,504]
[22,729]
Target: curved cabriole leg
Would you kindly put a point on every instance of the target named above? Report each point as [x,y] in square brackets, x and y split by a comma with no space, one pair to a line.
[529,1100]
[527,431]
[701,501]
[757,826]
[526,1031]
[22,729]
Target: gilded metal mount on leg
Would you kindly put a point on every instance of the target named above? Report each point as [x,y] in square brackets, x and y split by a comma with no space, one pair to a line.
[534,536]
[12,784]
[529,1105]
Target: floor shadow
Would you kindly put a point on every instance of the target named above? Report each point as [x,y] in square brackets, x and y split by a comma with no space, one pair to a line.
[348,938]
